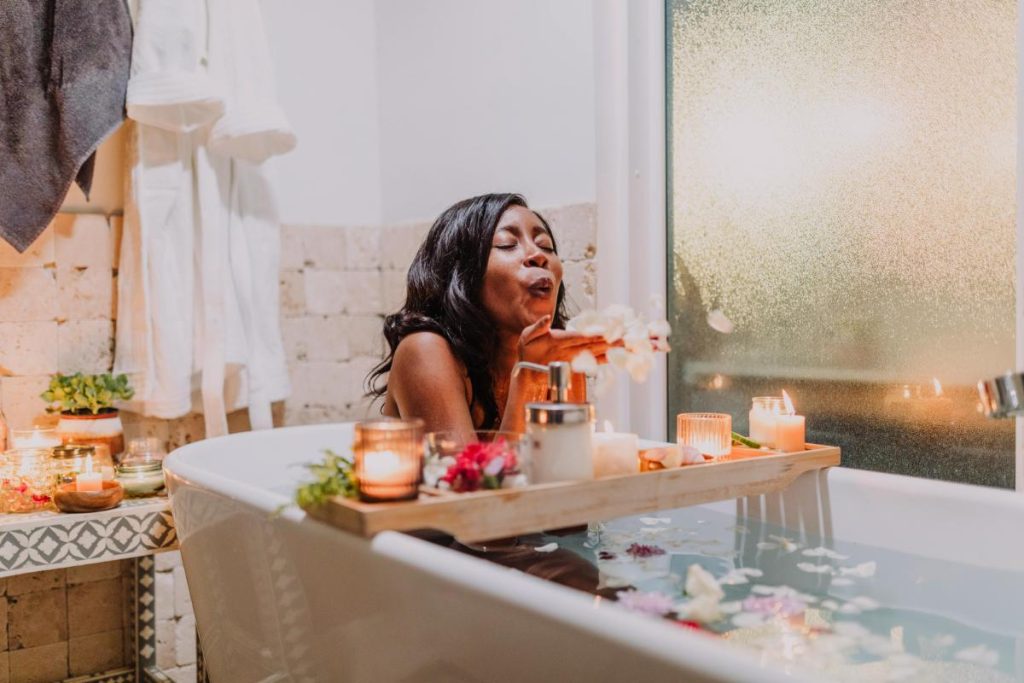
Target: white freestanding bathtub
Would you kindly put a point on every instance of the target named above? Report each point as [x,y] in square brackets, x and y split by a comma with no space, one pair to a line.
[281,597]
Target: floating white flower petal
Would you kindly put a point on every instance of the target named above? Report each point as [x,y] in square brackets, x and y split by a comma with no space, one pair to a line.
[700,583]
[703,609]
[733,578]
[655,520]
[979,654]
[821,551]
[547,548]
[749,619]
[863,570]
[767,545]
[719,322]
[842,581]
[830,605]
[750,571]
[788,544]
[864,602]
[815,568]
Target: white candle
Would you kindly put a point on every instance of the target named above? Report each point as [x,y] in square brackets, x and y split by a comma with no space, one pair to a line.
[762,419]
[789,429]
[615,452]
[88,481]
[34,438]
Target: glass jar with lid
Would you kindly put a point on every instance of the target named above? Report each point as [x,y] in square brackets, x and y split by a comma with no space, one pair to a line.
[71,459]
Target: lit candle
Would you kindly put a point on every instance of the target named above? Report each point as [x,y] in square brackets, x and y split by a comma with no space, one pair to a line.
[34,438]
[789,428]
[762,419]
[386,475]
[88,481]
[615,452]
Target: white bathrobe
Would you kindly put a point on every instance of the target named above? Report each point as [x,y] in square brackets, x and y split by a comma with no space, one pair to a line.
[198,277]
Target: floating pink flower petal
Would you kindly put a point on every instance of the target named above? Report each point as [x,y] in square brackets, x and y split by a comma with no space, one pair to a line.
[653,603]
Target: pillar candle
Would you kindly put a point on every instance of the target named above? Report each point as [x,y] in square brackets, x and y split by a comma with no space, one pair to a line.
[615,453]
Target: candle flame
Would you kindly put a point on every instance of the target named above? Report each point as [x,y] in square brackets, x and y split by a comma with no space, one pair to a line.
[938,386]
[608,427]
[717,382]
[790,410]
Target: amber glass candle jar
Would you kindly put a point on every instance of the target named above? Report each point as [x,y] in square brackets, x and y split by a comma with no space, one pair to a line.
[388,459]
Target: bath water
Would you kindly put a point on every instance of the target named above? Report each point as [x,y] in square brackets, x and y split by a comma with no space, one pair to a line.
[833,609]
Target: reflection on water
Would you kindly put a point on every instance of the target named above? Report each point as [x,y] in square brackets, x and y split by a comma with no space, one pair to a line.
[846,611]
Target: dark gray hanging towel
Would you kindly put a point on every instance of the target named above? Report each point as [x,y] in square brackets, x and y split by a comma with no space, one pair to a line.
[63,76]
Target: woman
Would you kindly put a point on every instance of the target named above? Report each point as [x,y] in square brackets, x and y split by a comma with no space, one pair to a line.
[484,292]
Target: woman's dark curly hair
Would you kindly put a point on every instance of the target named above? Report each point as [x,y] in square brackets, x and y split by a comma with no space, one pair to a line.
[443,296]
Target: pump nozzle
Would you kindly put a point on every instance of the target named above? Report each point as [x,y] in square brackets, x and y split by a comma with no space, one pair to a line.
[559,378]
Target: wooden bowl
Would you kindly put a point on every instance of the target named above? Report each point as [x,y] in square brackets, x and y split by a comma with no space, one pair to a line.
[68,499]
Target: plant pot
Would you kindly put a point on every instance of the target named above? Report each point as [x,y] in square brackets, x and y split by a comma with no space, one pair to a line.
[102,429]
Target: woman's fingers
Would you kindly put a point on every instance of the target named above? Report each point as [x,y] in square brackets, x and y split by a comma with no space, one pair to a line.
[536,330]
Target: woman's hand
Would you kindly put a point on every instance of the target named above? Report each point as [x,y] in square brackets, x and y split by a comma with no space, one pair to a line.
[542,345]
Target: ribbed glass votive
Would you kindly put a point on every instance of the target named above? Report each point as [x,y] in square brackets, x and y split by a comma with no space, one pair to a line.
[710,433]
[26,480]
[388,459]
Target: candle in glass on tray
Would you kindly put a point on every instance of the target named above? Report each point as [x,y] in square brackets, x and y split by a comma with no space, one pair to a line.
[762,418]
[35,438]
[87,480]
[789,428]
[615,452]
[710,433]
[388,459]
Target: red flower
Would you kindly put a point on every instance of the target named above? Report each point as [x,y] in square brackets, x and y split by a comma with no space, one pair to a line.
[642,550]
[481,464]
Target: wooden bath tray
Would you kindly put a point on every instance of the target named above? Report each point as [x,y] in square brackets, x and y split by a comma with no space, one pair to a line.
[484,515]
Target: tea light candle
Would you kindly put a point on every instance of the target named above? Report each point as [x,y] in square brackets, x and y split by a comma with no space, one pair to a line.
[35,438]
[388,459]
[762,418]
[88,481]
[615,452]
[789,428]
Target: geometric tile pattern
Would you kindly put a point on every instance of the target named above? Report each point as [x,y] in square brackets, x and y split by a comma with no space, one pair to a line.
[53,540]
[144,594]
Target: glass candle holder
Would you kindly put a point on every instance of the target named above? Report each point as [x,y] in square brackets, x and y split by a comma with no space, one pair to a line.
[388,459]
[499,455]
[34,438]
[26,480]
[69,461]
[710,433]
[763,412]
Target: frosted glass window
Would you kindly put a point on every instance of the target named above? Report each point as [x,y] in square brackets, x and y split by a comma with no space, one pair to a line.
[841,183]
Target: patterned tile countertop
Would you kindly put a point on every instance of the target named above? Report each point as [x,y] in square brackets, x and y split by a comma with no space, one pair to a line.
[51,540]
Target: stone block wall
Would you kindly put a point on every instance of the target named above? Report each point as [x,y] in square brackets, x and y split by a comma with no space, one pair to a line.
[337,283]
[58,311]
[65,623]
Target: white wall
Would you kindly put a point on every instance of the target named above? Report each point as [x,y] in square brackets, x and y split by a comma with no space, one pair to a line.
[483,96]
[402,107]
[325,57]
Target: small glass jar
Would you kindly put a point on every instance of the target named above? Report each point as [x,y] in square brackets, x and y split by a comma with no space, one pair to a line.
[763,411]
[483,447]
[710,433]
[388,459]
[141,478]
[144,449]
[70,460]
[26,480]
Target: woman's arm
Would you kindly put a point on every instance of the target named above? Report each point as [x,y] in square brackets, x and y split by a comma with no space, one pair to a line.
[428,382]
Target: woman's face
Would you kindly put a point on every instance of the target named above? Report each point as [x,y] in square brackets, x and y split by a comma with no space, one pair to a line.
[523,272]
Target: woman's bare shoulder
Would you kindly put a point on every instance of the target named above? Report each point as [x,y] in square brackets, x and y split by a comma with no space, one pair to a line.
[426,352]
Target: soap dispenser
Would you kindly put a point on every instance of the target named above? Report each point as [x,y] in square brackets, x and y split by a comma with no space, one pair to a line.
[557,431]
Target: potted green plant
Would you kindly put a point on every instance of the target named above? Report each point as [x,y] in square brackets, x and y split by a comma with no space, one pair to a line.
[86,407]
